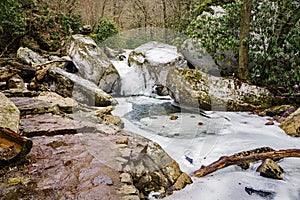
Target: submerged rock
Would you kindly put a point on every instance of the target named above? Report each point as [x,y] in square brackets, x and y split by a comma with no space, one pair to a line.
[195,89]
[291,125]
[92,63]
[262,193]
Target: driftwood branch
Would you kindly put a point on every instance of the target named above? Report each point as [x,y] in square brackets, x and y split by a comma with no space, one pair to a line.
[50,62]
[226,161]
[13,147]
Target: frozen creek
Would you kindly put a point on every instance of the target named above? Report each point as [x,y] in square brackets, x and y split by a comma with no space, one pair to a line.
[224,133]
[191,136]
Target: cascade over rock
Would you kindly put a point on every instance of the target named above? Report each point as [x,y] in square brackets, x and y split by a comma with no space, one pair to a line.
[92,63]
[151,63]
[193,88]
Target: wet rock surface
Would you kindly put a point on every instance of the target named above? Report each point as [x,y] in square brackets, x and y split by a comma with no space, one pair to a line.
[60,167]
[93,166]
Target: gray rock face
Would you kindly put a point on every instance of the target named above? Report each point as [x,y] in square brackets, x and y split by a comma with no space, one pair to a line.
[9,114]
[83,90]
[153,60]
[46,102]
[151,169]
[92,63]
[29,57]
[198,57]
[195,89]
[71,85]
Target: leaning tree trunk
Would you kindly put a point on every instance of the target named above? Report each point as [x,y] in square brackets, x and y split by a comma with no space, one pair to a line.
[243,70]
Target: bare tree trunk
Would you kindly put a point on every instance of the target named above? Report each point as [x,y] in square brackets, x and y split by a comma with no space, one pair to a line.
[165,20]
[103,8]
[243,70]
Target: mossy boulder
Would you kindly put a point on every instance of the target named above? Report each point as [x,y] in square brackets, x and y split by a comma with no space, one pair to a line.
[195,89]
[291,125]
[9,114]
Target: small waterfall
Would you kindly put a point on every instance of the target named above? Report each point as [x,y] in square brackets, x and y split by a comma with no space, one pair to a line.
[136,80]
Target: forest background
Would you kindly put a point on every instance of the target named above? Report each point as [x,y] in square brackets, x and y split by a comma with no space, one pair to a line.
[262,35]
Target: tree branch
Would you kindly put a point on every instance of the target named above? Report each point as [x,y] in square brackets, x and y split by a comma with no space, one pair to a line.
[226,161]
[50,62]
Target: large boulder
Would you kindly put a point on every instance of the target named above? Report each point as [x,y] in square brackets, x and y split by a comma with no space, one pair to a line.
[198,58]
[27,56]
[145,164]
[152,62]
[92,63]
[9,114]
[193,88]
[291,125]
[71,85]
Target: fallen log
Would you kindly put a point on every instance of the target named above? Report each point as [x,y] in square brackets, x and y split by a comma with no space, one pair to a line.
[13,147]
[236,159]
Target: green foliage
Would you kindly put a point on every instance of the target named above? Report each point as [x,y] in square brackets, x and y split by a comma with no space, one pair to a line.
[217,33]
[105,29]
[274,42]
[275,45]
[12,18]
[70,24]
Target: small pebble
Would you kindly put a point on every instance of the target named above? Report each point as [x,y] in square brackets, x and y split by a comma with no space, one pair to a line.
[269,123]
[173,117]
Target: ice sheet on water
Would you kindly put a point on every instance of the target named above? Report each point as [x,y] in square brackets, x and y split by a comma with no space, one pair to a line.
[240,132]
